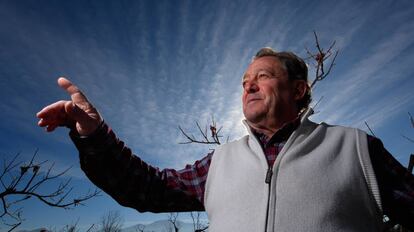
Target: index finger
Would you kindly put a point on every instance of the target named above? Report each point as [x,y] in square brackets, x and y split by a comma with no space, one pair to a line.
[71,89]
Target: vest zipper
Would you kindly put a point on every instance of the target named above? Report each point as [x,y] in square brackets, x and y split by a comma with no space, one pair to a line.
[268,179]
[269,172]
[268,175]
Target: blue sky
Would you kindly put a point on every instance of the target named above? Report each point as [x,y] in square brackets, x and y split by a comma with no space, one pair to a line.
[149,66]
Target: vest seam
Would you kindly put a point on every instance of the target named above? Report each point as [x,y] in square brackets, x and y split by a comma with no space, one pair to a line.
[368,173]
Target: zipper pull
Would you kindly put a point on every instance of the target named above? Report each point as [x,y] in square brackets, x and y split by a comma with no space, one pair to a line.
[268,175]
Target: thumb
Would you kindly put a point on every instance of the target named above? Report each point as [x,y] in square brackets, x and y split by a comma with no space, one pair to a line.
[74,92]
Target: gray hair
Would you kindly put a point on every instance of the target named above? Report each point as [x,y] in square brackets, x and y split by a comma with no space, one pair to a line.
[294,66]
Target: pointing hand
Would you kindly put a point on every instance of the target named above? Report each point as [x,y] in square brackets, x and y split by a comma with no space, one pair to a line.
[78,113]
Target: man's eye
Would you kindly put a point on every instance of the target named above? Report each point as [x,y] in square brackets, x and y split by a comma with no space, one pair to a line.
[263,75]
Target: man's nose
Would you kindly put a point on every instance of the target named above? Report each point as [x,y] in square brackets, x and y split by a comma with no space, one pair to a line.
[251,86]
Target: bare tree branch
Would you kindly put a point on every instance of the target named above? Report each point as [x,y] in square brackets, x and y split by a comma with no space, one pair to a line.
[369,128]
[198,226]
[214,137]
[412,124]
[202,229]
[407,138]
[172,218]
[14,226]
[320,57]
[73,227]
[317,103]
[111,222]
[20,182]
[90,228]
[411,164]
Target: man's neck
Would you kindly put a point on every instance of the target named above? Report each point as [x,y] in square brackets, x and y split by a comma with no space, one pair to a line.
[270,129]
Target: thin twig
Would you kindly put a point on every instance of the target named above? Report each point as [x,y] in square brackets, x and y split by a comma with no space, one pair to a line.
[320,57]
[369,128]
[317,103]
[407,138]
[215,135]
[90,228]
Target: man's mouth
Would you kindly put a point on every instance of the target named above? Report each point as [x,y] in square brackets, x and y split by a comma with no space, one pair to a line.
[253,99]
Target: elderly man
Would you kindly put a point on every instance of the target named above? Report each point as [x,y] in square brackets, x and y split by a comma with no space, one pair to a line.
[287,174]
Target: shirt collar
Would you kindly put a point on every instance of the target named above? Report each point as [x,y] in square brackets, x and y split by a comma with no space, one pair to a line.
[280,135]
[302,117]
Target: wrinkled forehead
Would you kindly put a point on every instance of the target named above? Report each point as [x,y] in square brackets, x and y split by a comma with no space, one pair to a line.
[269,64]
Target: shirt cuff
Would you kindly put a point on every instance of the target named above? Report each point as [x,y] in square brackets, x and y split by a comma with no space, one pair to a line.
[99,140]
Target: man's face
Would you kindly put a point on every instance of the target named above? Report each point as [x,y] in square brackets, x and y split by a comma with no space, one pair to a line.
[268,95]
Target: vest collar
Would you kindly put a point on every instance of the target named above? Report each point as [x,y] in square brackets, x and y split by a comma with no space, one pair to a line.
[303,118]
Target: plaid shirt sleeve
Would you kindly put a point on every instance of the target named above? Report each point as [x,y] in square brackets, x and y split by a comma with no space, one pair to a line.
[111,166]
[192,178]
[396,184]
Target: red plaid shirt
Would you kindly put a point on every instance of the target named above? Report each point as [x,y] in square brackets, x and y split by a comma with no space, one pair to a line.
[132,182]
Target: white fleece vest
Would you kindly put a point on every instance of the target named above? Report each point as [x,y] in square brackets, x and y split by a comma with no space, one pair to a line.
[322,181]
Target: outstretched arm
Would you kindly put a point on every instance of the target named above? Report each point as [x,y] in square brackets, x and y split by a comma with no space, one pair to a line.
[111,166]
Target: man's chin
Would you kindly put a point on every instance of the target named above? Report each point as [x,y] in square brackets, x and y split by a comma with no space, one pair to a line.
[254,117]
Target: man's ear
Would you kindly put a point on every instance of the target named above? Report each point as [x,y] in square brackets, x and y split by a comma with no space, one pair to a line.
[300,89]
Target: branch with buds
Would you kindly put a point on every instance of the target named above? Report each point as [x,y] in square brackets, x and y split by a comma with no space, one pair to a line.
[214,137]
[319,59]
[20,182]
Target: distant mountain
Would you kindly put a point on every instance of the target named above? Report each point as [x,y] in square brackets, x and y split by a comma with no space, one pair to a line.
[157,226]
[161,226]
